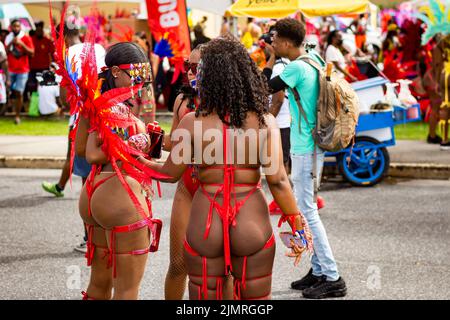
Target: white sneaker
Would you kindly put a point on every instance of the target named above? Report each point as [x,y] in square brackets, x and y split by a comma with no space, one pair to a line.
[82,247]
[445,146]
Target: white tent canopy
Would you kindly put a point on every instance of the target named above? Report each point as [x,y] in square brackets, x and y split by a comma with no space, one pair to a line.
[420,3]
[217,7]
[214,6]
[59,4]
[71,2]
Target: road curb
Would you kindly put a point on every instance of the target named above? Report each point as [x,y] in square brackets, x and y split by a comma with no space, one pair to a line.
[420,171]
[397,170]
[24,162]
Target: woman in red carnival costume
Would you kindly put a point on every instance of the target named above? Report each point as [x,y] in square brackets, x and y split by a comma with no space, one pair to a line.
[229,230]
[114,202]
[185,103]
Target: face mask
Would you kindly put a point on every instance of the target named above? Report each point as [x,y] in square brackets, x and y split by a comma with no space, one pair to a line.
[193,84]
[198,77]
[16,33]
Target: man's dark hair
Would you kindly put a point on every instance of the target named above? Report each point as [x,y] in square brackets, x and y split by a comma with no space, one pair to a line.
[71,30]
[292,30]
[14,21]
[331,36]
[198,31]
[39,24]
[48,78]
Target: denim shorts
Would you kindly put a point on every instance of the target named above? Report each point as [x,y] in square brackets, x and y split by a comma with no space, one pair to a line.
[18,81]
[81,167]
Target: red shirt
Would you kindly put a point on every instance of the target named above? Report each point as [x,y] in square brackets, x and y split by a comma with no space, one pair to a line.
[20,64]
[43,50]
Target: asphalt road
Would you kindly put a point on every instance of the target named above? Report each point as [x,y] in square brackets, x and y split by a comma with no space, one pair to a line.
[391,241]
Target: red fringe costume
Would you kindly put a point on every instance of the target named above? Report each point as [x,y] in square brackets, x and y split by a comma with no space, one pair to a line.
[85,99]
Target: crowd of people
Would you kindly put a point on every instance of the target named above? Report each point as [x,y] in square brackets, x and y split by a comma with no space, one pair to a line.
[231,256]
[25,57]
[22,56]
[396,54]
[29,77]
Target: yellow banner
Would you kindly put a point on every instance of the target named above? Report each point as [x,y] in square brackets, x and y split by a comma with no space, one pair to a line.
[276,9]
[264,8]
[317,8]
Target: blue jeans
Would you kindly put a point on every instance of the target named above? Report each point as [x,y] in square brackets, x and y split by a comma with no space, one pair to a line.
[18,81]
[322,261]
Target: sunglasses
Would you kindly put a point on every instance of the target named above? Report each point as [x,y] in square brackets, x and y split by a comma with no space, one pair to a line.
[139,80]
[190,66]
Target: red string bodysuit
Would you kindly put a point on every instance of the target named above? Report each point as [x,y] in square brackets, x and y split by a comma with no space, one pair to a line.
[227,213]
[154,225]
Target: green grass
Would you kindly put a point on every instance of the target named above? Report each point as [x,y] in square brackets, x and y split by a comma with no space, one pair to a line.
[166,126]
[34,127]
[43,127]
[59,127]
[411,131]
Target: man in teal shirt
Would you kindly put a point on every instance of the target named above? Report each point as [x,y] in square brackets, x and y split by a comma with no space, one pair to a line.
[323,280]
[298,74]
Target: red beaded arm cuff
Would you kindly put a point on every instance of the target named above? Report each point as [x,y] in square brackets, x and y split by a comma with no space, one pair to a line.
[290,219]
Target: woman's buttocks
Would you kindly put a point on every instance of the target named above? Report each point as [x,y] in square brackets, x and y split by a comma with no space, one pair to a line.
[253,226]
[250,233]
[111,199]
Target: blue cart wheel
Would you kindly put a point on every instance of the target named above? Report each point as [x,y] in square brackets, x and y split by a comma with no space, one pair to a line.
[366,165]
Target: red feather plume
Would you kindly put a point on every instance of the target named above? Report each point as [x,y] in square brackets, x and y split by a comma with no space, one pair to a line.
[84,98]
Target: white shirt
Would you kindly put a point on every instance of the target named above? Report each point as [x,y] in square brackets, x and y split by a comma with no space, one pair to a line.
[75,52]
[3,57]
[77,49]
[2,51]
[333,54]
[284,116]
[10,37]
[47,99]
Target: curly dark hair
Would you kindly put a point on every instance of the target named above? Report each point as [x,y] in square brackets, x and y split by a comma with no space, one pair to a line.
[292,30]
[230,83]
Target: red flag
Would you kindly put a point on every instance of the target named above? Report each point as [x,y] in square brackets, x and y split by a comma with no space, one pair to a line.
[170,16]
